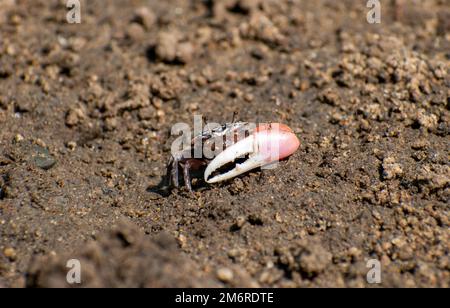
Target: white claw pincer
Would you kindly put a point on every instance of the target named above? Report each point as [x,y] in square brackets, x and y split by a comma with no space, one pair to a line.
[268,144]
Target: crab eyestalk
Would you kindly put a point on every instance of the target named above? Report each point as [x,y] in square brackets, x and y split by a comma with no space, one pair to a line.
[270,143]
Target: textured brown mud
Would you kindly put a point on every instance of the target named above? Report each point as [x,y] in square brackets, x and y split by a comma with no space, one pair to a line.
[85,117]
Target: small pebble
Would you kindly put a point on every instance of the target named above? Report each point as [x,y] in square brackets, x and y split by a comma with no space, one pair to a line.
[391,169]
[182,240]
[145,17]
[225,275]
[71,145]
[43,159]
[18,138]
[185,52]
[249,97]
[10,253]
[170,49]
[74,117]
[428,121]
[238,223]
[420,144]
[135,32]
[111,124]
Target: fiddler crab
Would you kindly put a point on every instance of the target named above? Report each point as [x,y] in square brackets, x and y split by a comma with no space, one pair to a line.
[230,150]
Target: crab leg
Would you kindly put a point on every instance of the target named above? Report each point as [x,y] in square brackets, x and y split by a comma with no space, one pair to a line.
[168,180]
[267,145]
[187,176]
[174,175]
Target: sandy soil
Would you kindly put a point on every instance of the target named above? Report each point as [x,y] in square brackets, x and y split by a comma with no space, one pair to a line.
[86,112]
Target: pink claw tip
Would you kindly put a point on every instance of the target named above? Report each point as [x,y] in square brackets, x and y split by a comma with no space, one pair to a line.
[289,144]
[277,141]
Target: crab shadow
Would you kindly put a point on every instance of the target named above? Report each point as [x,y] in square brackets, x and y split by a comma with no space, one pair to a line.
[199,185]
[165,190]
[160,189]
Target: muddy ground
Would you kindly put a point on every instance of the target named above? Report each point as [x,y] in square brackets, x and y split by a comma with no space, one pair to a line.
[86,112]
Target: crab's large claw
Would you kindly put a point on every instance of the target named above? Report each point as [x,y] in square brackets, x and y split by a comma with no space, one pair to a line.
[270,143]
